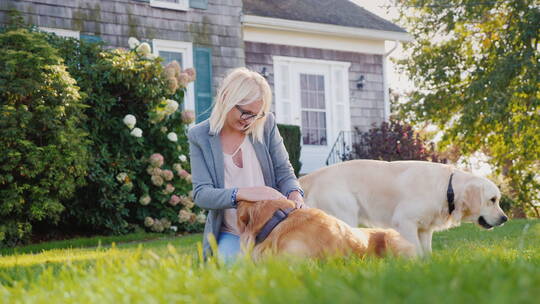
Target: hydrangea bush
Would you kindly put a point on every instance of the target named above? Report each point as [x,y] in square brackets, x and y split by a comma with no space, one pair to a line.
[139,174]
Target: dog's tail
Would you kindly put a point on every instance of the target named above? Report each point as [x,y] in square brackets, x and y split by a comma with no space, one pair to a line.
[388,241]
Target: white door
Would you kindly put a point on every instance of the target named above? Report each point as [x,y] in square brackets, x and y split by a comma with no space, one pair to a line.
[313,113]
[312,94]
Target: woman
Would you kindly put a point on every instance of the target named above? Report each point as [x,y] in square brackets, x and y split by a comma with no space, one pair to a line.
[238,154]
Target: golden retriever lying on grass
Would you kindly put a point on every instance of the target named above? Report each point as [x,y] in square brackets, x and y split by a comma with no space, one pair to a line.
[310,232]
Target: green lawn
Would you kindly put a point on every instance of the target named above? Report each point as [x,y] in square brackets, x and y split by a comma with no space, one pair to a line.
[469,265]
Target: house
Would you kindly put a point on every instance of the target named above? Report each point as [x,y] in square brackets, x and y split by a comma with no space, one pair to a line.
[325,60]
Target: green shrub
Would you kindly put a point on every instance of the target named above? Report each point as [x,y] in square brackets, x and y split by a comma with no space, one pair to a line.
[291,138]
[117,83]
[43,150]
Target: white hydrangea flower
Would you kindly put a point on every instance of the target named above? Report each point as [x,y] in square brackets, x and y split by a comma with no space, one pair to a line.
[177,167]
[184,216]
[130,121]
[133,42]
[150,56]
[182,158]
[201,218]
[174,228]
[121,177]
[145,200]
[148,221]
[144,49]
[136,132]
[171,106]
[172,137]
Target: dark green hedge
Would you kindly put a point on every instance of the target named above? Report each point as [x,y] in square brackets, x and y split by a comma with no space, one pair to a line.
[291,138]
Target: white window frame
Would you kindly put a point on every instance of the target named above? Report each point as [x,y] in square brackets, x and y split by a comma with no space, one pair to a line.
[181,5]
[62,32]
[186,49]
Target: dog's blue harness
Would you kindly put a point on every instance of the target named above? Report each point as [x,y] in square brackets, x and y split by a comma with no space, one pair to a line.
[278,217]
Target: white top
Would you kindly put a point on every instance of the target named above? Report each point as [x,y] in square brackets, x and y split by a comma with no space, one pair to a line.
[248,175]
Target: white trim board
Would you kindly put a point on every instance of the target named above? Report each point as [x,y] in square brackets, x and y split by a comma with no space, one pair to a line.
[186,48]
[321,28]
[180,5]
[344,64]
[313,40]
[61,32]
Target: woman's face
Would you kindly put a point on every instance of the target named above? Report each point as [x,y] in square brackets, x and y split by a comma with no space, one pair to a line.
[235,116]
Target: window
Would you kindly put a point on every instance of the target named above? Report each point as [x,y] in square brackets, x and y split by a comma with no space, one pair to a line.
[313,107]
[182,52]
[182,5]
[61,32]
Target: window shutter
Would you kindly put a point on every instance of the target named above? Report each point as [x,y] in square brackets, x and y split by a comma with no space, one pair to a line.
[282,83]
[202,4]
[91,38]
[203,83]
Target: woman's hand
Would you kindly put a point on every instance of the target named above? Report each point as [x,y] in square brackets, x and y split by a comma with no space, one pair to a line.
[254,194]
[296,197]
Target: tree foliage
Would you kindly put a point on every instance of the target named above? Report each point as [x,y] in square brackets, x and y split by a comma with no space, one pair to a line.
[476,66]
[43,146]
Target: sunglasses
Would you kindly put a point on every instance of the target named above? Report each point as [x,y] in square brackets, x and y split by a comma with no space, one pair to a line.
[247,115]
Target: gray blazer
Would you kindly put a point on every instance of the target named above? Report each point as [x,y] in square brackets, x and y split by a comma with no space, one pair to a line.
[207,171]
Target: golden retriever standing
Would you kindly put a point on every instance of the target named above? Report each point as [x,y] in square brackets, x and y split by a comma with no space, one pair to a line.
[411,197]
[309,232]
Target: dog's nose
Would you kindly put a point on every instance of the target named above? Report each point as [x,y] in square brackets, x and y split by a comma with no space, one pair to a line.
[503,219]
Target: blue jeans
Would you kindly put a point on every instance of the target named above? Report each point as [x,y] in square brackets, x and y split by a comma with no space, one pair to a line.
[228,246]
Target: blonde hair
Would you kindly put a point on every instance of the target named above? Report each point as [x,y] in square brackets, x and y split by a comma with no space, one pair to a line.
[241,87]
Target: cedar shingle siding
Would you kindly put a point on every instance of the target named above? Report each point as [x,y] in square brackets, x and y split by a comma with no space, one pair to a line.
[115,21]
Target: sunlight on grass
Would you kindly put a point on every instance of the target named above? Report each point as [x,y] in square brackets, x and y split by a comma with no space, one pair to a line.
[61,255]
[468,265]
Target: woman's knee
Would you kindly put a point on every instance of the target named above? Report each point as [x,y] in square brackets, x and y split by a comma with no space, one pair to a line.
[228,245]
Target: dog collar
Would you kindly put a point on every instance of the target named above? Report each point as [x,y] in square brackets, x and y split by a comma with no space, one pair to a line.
[278,217]
[450,196]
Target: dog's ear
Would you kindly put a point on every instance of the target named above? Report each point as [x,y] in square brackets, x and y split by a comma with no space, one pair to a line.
[473,197]
[243,212]
[244,222]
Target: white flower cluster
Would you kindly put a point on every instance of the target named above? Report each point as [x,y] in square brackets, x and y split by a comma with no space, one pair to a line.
[145,200]
[130,121]
[165,108]
[158,225]
[172,137]
[185,216]
[124,179]
[142,49]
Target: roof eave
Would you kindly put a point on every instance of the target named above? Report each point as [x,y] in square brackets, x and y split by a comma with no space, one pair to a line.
[323,28]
